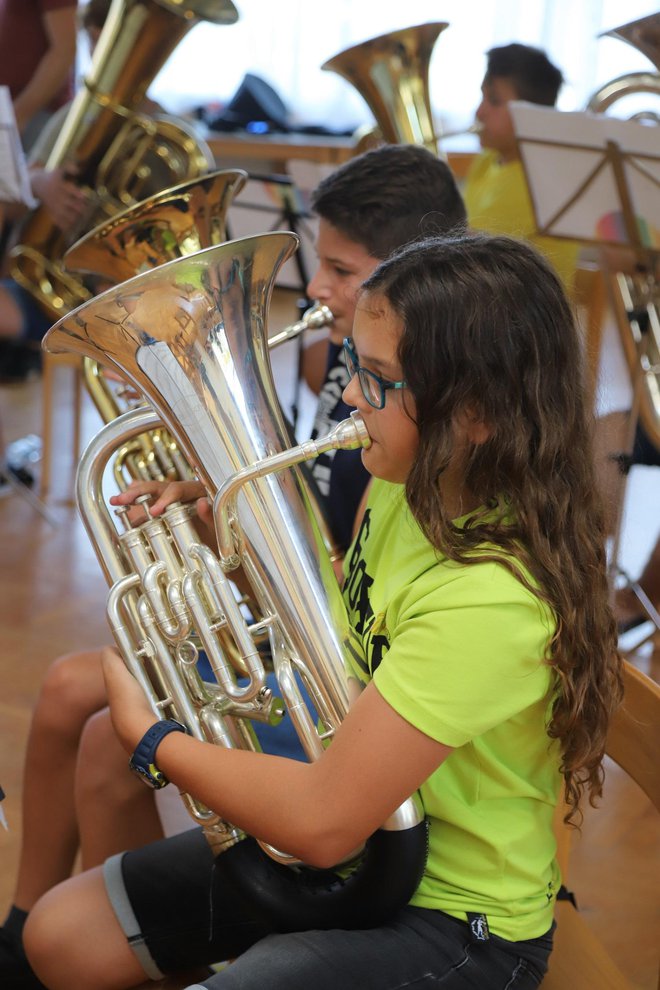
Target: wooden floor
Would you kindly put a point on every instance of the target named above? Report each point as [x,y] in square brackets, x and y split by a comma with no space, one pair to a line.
[52,600]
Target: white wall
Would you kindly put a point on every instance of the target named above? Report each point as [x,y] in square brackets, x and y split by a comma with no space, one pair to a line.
[287,41]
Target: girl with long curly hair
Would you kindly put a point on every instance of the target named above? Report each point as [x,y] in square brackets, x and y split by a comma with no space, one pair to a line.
[482,640]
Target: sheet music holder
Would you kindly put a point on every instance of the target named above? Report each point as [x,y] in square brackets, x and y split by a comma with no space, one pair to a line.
[273,202]
[596,179]
[14,176]
[591,177]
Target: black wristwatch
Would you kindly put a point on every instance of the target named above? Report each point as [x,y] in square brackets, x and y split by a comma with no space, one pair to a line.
[143,760]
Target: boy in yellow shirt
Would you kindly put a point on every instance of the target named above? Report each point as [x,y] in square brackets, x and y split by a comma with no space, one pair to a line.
[495,193]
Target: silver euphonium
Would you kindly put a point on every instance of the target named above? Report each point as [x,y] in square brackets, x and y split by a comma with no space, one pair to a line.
[191,335]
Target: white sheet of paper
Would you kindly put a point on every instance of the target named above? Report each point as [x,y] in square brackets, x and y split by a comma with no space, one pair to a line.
[14,177]
[560,151]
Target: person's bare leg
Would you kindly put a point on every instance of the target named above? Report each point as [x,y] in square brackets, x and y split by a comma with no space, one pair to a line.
[73,939]
[11,318]
[115,810]
[73,689]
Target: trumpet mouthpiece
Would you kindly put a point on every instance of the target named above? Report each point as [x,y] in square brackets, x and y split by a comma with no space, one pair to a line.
[475,128]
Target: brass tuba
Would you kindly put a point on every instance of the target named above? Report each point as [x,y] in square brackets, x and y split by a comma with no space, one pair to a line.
[174,223]
[191,335]
[643,34]
[116,149]
[391,73]
[635,295]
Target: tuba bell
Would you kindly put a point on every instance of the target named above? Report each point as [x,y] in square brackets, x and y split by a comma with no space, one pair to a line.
[117,149]
[635,294]
[391,73]
[171,224]
[644,35]
[191,335]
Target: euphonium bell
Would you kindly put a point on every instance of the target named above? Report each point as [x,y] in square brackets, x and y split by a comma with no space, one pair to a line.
[391,73]
[175,222]
[178,221]
[191,335]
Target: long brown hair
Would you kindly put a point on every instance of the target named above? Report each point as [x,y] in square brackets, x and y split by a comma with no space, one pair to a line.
[487,328]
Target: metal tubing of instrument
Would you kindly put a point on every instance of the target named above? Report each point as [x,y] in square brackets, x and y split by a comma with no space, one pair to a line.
[191,336]
[89,481]
[347,435]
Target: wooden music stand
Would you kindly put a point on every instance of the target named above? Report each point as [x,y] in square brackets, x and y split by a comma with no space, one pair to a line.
[611,169]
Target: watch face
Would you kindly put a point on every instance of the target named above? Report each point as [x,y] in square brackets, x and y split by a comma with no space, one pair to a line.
[151,775]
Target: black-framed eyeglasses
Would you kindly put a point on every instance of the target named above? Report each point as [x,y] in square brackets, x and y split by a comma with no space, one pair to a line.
[373,387]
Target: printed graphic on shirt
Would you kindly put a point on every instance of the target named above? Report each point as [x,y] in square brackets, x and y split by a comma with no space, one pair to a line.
[369,628]
[326,419]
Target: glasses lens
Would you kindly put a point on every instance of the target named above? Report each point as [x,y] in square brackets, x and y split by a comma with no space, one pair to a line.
[349,357]
[371,389]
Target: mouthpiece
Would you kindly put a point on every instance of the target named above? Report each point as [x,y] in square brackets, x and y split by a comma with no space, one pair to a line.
[347,435]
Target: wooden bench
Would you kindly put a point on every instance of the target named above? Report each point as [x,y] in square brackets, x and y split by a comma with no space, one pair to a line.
[579,961]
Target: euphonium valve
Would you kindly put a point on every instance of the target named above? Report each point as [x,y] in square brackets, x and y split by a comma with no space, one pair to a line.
[192,336]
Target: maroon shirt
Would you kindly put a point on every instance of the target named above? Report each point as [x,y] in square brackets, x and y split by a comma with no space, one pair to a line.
[24,42]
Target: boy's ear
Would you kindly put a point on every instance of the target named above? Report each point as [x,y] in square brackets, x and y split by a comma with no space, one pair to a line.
[473,427]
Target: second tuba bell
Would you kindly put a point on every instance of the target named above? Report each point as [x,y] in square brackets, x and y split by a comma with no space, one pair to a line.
[391,73]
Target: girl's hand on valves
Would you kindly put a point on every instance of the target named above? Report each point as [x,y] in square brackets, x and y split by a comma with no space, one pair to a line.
[163,493]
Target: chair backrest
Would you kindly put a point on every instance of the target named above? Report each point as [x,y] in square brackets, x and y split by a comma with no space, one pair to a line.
[580,960]
[633,740]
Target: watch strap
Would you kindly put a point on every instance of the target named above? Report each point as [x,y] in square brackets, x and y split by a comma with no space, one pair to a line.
[143,760]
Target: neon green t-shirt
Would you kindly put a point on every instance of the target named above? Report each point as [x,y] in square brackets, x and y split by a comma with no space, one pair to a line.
[497,201]
[458,650]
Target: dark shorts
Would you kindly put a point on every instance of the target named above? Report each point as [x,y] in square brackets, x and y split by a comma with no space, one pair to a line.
[176,916]
[644,450]
[35,322]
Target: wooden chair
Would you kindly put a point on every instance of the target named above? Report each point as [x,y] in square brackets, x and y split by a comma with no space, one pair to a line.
[590,298]
[50,364]
[579,961]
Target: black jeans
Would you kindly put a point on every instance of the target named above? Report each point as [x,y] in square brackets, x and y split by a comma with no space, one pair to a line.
[421,949]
